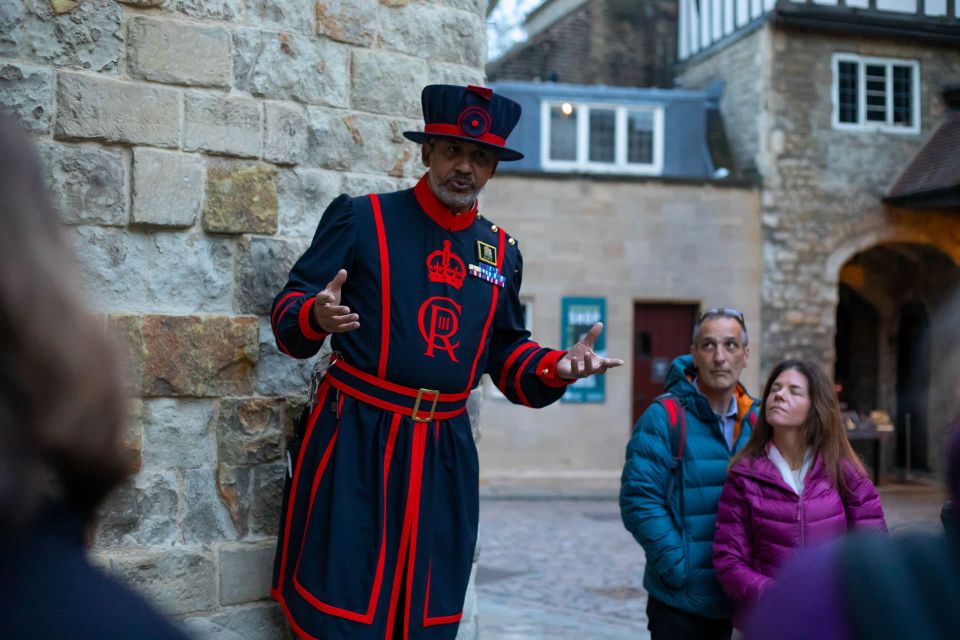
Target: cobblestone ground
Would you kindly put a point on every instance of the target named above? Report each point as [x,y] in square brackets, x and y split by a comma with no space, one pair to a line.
[562,567]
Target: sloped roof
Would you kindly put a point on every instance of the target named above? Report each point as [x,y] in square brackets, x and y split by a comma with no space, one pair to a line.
[933,176]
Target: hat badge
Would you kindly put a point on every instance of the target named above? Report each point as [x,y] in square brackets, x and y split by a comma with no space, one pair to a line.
[474,121]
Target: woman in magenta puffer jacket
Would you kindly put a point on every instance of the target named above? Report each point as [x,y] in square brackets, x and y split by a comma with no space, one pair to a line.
[797,482]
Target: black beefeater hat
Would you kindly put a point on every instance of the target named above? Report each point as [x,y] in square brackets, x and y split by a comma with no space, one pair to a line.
[471,114]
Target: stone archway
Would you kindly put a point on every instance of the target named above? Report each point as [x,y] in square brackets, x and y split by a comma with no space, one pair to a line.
[898,337]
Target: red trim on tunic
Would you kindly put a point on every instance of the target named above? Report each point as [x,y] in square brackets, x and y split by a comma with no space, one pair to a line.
[454,130]
[505,371]
[384,287]
[276,309]
[278,596]
[490,314]
[397,388]
[427,620]
[321,398]
[396,408]
[547,370]
[516,383]
[413,498]
[304,321]
[440,214]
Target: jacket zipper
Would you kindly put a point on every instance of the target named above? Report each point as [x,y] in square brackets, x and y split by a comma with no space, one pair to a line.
[800,519]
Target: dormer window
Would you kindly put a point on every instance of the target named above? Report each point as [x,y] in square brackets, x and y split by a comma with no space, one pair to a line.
[601,138]
[876,94]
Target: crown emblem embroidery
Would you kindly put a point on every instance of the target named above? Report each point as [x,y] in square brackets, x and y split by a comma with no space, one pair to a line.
[445,266]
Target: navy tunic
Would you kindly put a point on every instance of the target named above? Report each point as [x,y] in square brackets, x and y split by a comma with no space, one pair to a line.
[379,522]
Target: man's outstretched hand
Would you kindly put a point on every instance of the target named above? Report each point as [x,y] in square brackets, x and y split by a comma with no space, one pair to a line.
[327,311]
[581,361]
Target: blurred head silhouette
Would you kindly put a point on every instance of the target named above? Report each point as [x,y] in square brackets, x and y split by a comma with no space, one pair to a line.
[62,409]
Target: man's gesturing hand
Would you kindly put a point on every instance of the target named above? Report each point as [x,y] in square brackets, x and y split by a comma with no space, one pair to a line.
[327,312]
[581,361]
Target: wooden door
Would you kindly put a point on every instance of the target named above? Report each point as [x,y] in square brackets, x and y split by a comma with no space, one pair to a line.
[661,332]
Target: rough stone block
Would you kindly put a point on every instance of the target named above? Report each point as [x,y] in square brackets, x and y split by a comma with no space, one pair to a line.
[234,488]
[262,268]
[356,142]
[303,196]
[189,355]
[142,3]
[434,33]
[267,497]
[28,92]
[203,261]
[285,133]
[358,184]
[255,622]
[178,580]
[241,198]
[281,15]
[133,434]
[385,82]
[218,124]
[205,518]
[248,430]
[353,21]
[88,37]
[105,109]
[246,571]
[141,512]
[87,182]
[442,73]
[167,188]
[178,434]
[229,10]
[277,373]
[112,267]
[11,28]
[178,53]
[290,67]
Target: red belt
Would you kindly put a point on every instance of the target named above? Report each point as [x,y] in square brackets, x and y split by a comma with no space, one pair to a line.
[423,405]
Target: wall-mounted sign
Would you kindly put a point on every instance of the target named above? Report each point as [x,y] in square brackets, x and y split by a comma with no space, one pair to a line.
[577,316]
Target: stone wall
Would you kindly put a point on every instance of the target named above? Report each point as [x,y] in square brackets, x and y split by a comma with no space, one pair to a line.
[614,42]
[192,147]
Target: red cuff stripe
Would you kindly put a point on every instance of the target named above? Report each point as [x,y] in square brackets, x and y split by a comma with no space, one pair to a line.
[505,371]
[304,320]
[523,366]
[551,379]
[276,308]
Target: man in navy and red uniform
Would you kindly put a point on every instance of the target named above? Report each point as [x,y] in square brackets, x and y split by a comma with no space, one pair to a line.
[421,295]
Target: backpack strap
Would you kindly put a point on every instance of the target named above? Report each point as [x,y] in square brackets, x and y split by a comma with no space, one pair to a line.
[677,418]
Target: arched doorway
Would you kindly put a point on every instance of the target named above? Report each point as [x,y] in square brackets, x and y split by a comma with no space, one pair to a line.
[898,344]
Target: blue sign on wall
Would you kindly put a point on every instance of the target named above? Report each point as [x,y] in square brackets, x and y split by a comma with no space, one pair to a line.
[578,315]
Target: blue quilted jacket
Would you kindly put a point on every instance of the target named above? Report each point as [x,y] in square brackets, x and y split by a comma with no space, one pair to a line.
[679,567]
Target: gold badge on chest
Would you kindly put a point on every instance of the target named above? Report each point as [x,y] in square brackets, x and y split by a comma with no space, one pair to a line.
[486,253]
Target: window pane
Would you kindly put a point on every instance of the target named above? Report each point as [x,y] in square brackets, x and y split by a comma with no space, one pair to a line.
[902,96]
[602,135]
[847,91]
[563,132]
[876,81]
[640,137]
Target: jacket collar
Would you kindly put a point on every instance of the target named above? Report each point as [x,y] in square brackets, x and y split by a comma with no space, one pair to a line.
[763,470]
[440,214]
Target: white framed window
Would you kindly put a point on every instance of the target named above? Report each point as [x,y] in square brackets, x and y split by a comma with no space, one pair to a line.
[601,138]
[526,304]
[876,94]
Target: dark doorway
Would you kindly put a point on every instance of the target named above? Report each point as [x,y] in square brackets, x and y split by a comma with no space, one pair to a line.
[913,373]
[857,369]
[661,332]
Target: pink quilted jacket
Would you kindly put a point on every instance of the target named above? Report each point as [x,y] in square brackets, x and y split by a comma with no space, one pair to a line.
[761,521]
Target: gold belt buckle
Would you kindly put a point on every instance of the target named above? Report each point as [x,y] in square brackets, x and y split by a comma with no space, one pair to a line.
[416,405]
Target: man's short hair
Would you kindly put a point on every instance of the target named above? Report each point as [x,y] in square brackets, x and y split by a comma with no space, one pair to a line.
[721,312]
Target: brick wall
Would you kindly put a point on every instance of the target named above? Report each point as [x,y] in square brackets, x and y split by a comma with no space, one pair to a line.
[192,146]
[613,42]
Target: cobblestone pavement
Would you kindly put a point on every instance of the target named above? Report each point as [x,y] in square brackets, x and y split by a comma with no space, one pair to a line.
[560,567]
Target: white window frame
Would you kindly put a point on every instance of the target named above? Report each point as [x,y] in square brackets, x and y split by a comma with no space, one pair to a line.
[862,124]
[492,391]
[620,164]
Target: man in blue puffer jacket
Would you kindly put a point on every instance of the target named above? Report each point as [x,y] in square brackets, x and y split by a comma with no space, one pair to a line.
[703,419]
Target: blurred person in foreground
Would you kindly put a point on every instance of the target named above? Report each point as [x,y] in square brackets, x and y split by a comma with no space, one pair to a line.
[62,414]
[675,467]
[797,482]
[870,587]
